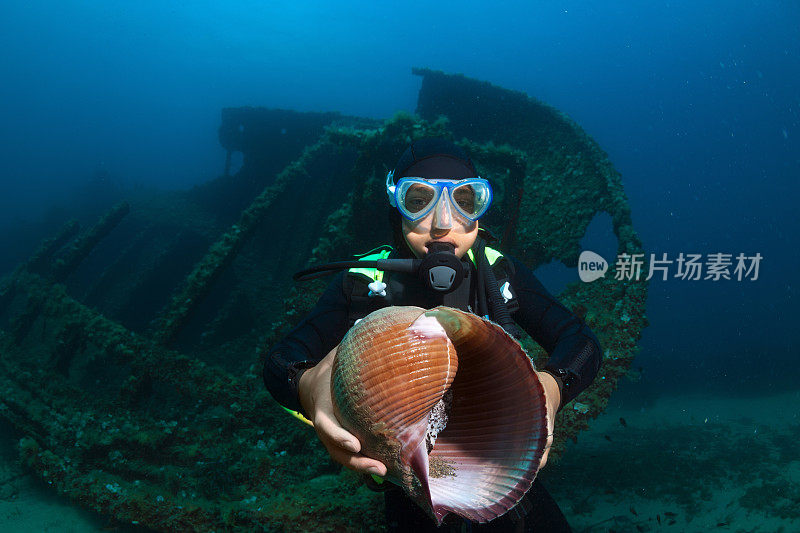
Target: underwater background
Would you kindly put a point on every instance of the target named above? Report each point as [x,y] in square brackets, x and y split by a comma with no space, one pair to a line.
[696,106]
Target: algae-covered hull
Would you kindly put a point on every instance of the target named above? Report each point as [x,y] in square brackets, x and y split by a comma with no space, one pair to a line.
[131,350]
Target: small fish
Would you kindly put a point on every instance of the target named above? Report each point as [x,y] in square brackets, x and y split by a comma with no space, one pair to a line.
[607,438]
[722,524]
[633,511]
[658,519]
[622,421]
[671,521]
[670,514]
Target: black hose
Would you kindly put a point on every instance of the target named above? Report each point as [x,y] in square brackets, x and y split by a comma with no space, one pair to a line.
[497,306]
[329,268]
[393,265]
[482,264]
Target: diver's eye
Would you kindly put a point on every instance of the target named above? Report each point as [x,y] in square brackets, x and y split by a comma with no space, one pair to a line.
[465,198]
[417,197]
[466,205]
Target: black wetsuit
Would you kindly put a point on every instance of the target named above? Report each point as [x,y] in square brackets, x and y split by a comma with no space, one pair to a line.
[575,357]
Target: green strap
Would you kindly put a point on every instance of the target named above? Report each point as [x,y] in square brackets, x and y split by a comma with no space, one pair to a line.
[492,255]
[298,416]
[372,273]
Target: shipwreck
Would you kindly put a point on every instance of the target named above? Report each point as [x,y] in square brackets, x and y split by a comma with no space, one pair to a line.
[132,348]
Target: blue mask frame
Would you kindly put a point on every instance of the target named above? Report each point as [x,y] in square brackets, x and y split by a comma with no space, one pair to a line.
[396,193]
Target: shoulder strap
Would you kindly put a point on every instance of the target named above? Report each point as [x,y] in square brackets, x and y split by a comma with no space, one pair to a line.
[372,273]
[492,255]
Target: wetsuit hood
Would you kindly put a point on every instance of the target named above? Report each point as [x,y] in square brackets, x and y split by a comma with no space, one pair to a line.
[434,158]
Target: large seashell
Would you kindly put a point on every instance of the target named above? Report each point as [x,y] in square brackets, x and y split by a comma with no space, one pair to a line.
[402,373]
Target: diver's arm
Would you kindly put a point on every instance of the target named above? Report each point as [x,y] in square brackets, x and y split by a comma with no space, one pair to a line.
[299,377]
[575,354]
[307,344]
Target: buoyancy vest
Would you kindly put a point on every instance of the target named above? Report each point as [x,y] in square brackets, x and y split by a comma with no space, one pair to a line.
[365,300]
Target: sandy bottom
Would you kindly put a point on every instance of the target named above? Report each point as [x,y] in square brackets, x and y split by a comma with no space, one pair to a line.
[28,505]
[685,463]
[680,463]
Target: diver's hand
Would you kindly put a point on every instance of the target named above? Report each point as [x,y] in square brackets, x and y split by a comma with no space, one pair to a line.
[552,397]
[317,400]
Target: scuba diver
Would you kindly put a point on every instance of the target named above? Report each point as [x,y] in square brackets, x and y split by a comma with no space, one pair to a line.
[439,257]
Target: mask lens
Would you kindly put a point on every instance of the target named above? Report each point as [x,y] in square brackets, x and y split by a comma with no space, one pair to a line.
[418,197]
[464,198]
[472,199]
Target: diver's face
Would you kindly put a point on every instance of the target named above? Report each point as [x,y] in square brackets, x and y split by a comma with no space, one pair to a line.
[442,224]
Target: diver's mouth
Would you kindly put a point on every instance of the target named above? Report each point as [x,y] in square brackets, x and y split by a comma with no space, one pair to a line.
[440,241]
[439,245]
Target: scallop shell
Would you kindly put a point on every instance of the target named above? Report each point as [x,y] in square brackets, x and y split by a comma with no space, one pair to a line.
[399,368]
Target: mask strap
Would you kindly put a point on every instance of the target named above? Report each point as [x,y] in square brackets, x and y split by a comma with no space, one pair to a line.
[391,188]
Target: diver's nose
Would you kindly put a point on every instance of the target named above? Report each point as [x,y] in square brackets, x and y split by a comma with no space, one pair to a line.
[442,214]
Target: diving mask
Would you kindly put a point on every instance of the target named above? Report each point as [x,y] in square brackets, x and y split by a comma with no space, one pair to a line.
[415,198]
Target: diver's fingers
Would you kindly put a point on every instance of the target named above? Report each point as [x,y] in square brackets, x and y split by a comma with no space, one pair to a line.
[358,462]
[365,465]
[551,427]
[330,432]
[547,446]
[343,446]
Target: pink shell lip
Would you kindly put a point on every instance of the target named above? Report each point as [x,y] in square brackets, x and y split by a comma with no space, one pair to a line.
[487,456]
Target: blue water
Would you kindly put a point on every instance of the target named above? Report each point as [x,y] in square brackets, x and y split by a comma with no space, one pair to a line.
[698,107]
